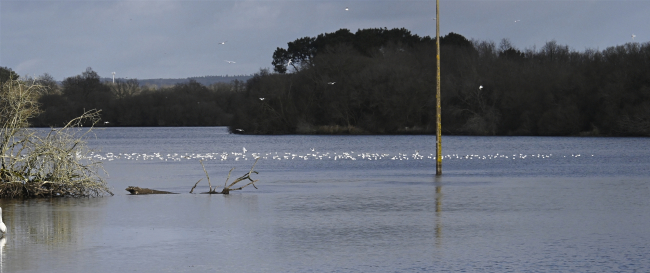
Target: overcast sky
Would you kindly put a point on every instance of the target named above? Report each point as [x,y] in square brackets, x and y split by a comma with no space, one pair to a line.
[180,38]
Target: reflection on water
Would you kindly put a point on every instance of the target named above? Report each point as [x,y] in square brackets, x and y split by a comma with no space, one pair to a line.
[438,198]
[3,242]
[42,226]
[582,214]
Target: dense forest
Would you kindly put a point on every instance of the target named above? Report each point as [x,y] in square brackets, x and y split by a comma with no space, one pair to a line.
[127,103]
[380,81]
[383,81]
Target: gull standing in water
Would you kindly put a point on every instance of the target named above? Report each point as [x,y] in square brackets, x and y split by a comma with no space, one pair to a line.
[3,228]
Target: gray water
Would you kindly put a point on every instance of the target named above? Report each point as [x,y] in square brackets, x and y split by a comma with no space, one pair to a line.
[346,204]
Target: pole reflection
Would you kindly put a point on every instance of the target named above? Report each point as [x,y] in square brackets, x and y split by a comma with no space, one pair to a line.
[438,219]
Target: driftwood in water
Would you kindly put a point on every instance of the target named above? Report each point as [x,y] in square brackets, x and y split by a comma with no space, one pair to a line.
[137,190]
[227,188]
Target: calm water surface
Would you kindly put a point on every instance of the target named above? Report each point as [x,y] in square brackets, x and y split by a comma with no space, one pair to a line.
[346,204]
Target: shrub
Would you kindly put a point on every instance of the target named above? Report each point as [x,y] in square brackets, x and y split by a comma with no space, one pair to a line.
[34,164]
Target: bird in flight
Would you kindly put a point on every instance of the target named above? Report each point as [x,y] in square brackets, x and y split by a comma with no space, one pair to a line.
[633,36]
[346,8]
[223,43]
[261,98]
[230,62]
[480,87]
[517,21]
[331,83]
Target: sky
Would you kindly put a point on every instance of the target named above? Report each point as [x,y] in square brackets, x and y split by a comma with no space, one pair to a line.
[150,39]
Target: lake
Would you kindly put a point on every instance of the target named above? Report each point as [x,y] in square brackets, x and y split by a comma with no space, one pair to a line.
[345,204]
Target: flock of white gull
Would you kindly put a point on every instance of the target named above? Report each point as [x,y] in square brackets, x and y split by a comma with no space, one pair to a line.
[313,155]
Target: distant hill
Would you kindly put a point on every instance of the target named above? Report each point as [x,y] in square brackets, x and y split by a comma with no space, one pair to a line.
[205,80]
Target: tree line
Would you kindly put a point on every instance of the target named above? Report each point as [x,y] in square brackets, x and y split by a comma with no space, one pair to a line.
[127,103]
[382,81]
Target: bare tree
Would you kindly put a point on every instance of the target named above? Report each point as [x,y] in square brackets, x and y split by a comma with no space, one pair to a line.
[125,89]
[33,164]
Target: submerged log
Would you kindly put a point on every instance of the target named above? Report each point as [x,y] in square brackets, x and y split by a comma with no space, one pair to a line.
[137,190]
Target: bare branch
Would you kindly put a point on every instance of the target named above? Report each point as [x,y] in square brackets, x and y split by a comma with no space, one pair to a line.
[197,182]
[227,188]
[224,184]
[206,174]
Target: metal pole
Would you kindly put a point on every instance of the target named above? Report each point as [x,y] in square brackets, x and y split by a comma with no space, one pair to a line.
[438,112]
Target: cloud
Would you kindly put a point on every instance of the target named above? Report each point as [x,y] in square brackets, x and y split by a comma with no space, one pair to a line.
[177,38]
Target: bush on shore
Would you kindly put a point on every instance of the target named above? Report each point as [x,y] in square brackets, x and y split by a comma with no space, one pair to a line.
[33,164]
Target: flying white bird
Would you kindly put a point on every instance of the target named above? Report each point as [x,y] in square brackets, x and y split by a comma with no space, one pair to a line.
[331,83]
[289,62]
[223,43]
[244,149]
[633,36]
[261,98]
[230,62]
[346,8]
[480,87]
[239,130]
[3,228]
[517,21]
